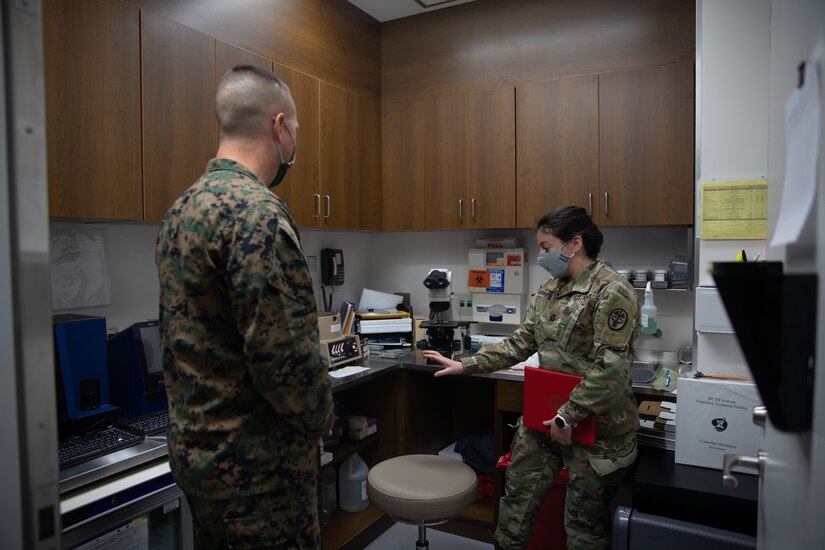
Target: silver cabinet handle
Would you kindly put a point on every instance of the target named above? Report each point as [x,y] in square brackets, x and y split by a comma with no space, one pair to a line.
[760,415]
[461,210]
[317,205]
[473,205]
[328,202]
[590,204]
[605,204]
[732,461]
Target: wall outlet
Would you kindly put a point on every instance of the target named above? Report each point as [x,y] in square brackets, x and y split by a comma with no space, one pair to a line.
[312,263]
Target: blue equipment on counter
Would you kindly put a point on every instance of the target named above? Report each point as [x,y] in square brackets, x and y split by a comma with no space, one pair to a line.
[136,370]
[81,364]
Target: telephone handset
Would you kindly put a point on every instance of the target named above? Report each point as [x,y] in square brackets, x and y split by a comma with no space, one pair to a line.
[332,267]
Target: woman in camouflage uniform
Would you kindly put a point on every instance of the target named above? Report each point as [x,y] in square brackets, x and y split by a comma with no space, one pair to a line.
[582,321]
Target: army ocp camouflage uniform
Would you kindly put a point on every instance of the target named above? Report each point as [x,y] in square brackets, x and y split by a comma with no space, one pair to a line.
[586,327]
[248,393]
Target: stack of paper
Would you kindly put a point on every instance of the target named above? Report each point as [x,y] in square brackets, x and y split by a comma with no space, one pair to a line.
[386,333]
[382,323]
[657,424]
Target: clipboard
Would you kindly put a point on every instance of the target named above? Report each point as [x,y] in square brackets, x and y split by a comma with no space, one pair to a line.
[545,391]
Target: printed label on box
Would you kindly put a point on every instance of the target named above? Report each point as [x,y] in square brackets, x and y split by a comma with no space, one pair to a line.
[715,417]
[496,280]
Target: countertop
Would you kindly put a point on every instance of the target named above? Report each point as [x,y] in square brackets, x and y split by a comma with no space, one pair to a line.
[154,448]
[414,361]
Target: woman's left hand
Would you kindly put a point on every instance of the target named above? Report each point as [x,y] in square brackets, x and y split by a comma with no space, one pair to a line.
[557,434]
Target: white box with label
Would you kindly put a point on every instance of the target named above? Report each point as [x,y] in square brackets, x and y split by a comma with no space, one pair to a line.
[497,271]
[715,417]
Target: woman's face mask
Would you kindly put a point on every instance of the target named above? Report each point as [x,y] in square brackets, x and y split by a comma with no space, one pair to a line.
[556,261]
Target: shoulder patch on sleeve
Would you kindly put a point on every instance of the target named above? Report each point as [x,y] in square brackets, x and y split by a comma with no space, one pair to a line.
[615,318]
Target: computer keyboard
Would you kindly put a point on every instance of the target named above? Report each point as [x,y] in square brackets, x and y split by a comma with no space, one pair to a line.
[148,424]
[81,448]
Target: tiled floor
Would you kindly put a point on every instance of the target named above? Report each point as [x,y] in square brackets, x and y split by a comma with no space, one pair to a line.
[403,536]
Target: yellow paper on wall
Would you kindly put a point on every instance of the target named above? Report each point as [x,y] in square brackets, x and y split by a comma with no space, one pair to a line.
[734,209]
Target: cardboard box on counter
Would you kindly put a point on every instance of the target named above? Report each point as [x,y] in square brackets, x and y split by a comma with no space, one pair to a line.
[361,427]
[715,417]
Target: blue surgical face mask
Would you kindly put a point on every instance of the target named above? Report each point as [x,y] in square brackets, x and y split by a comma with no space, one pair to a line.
[555,262]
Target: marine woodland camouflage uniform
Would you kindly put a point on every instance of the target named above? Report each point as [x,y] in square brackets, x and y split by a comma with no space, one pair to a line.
[248,394]
[586,327]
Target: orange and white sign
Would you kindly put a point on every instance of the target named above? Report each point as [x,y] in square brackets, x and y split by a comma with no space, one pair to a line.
[478,278]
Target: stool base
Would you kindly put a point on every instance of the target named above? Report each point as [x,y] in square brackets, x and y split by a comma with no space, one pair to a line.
[422,537]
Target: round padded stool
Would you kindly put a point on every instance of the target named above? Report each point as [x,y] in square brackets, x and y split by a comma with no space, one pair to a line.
[422,490]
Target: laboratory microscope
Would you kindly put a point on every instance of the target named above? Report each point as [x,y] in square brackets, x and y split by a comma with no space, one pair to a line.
[440,330]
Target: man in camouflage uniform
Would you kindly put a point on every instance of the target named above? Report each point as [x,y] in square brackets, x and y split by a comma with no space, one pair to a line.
[248,393]
[583,321]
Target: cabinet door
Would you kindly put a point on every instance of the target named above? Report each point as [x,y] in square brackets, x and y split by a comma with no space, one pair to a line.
[491,159]
[228,56]
[402,158]
[646,125]
[301,186]
[425,164]
[340,156]
[370,162]
[441,126]
[557,128]
[92,76]
[179,127]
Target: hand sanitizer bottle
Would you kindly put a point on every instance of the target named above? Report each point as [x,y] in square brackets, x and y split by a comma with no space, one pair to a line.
[649,312]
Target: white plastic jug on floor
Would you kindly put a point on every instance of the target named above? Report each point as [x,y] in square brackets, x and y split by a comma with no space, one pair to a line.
[352,484]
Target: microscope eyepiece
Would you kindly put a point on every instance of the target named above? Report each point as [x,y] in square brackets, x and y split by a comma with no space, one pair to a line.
[437,279]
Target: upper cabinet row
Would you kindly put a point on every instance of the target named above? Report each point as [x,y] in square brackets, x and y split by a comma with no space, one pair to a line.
[131,123]
[619,144]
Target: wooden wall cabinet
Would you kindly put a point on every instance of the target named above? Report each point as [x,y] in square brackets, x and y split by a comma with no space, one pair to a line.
[350,159]
[228,56]
[441,124]
[619,144]
[179,127]
[403,193]
[340,158]
[301,186]
[106,65]
[491,158]
[646,137]
[558,146]
[370,151]
[449,162]
[92,76]
[335,182]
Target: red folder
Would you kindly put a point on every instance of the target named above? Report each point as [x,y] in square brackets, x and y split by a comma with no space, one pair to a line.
[545,391]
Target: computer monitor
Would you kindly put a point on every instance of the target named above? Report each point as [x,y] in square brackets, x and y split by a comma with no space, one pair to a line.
[147,337]
[136,369]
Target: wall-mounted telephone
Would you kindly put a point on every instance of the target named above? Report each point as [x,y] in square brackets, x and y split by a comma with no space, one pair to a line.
[332,267]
